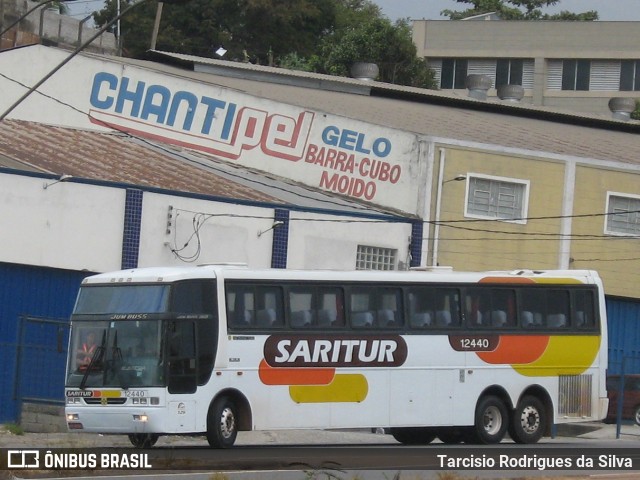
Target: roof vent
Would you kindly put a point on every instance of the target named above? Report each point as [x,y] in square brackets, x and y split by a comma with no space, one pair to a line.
[621,107]
[364,71]
[478,86]
[510,93]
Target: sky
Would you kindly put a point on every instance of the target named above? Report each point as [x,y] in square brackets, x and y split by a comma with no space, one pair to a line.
[611,10]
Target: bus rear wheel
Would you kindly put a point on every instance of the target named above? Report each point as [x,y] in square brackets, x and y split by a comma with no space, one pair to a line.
[143,440]
[222,425]
[529,420]
[414,436]
[491,420]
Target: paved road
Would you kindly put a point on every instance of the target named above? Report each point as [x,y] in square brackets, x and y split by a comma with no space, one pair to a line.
[344,454]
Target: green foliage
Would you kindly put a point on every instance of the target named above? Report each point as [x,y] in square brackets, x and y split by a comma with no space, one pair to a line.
[14,429]
[517,10]
[324,36]
[636,113]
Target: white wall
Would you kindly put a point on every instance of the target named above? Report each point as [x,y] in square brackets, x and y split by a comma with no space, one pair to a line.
[227,232]
[68,225]
[77,226]
[333,245]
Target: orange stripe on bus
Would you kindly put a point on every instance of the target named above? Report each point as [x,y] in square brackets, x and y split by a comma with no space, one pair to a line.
[516,349]
[295,376]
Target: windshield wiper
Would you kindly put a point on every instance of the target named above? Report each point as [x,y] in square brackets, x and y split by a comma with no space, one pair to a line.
[95,358]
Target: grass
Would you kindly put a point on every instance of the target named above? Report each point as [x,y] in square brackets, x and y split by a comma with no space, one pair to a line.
[13,429]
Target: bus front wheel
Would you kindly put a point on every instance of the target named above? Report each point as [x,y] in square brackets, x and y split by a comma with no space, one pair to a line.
[491,420]
[222,425]
[529,420]
[143,440]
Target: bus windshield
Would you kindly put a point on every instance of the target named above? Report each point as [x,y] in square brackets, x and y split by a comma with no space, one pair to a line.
[116,353]
[114,299]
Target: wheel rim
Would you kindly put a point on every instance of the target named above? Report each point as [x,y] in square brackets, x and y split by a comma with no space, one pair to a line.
[637,417]
[227,423]
[492,420]
[530,420]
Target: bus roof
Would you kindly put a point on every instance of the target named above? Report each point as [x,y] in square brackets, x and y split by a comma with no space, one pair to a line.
[238,271]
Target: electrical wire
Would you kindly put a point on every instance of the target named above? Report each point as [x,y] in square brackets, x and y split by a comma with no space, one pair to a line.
[199,219]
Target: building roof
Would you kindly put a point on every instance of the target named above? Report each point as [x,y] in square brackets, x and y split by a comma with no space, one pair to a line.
[436,114]
[120,158]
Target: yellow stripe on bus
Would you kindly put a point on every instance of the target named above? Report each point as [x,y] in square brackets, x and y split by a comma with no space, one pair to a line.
[343,388]
[108,393]
[565,355]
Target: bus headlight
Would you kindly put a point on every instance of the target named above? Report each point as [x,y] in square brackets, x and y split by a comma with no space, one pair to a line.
[71,417]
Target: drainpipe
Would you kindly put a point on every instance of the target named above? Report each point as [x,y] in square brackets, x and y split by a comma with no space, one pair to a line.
[436,227]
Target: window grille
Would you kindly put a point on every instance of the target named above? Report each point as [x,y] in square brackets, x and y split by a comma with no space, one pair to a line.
[575,396]
[497,198]
[623,215]
[375,258]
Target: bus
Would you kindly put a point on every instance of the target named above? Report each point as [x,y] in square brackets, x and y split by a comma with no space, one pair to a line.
[458,356]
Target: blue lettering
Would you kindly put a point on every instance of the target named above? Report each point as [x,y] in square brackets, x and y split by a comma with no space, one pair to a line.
[382,147]
[160,110]
[192,104]
[228,121]
[347,139]
[212,105]
[331,135]
[98,80]
[359,147]
[134,96]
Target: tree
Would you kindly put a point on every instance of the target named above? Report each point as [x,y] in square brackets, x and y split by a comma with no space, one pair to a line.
[248,29]
[379,41]
[518,10]
[324,36]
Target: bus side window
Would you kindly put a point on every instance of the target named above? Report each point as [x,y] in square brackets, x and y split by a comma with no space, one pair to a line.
[361,305]
[583,309]
[269,307]
[532,303]
[330,307]
[239,306]
[300,307]
[389,305]
[447,307]
[420,305]
[557,308]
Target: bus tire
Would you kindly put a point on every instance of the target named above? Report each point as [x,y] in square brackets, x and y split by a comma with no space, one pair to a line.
[143,440]
[451,435]
[414,436]
[491,420]
[222,424]
[529,420]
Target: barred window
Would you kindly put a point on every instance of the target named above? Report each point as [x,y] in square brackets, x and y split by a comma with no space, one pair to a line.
[375,258]
[495,197]
[623,214]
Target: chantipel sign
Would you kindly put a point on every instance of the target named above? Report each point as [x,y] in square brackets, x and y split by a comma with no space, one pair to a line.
[344,160]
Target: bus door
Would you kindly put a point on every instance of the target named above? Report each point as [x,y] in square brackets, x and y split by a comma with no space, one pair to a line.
[182,373]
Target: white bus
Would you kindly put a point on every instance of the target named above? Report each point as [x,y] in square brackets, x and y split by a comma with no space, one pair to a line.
[213,350]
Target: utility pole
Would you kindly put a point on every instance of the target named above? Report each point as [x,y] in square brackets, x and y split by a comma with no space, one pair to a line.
[156,26]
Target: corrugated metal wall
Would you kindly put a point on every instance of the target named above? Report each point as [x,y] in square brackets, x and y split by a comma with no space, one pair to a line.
[26,294]
[624,335]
